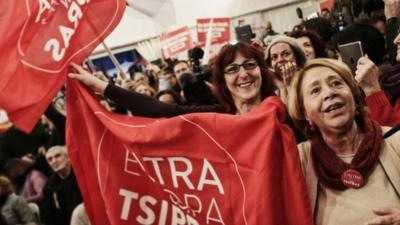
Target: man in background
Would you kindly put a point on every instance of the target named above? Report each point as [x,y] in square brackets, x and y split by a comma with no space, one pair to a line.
[61,194]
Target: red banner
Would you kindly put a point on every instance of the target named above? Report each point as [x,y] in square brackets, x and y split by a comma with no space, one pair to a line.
[39,40]
[176,42]
[192,169]
[327,4]
[220,30]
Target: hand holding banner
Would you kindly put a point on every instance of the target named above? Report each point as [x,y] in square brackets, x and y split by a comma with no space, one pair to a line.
[192,169]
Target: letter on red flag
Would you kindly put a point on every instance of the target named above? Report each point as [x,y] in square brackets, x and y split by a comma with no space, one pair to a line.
[203,168]
[39,38]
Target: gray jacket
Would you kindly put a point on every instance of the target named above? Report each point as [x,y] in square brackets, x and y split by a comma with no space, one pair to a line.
[16,211]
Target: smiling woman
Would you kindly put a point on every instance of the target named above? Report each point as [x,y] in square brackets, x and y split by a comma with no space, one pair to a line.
[239,90]
[241,80]
[284,56]
[346,159]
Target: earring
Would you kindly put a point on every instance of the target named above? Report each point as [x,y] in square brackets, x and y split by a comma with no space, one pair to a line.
[311,126]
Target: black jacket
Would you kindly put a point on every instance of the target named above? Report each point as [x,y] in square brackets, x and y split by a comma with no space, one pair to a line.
[60,197]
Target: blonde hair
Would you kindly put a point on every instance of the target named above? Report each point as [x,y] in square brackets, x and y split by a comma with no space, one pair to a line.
[5,185]
[296,102]
[152,91]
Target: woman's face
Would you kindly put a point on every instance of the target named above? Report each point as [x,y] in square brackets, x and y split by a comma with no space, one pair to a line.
[307,46]
[281,53]
[397,43]
[243,79]
[328,100]
[143,89]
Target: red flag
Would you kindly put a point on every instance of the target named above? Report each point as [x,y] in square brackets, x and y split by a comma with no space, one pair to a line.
[39,40]
[203,168]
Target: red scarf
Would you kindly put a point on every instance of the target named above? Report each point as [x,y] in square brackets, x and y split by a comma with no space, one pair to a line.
[329,167]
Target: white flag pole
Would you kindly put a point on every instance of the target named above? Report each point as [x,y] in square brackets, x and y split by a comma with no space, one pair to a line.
[91,65]
[122,75]
[207,47]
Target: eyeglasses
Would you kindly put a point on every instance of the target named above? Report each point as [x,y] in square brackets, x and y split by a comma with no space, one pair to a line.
[234,68]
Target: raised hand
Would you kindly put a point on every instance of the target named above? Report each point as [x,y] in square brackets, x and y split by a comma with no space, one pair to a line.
[88,79]
[367,75]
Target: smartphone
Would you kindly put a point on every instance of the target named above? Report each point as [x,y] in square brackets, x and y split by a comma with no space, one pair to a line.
[350,54]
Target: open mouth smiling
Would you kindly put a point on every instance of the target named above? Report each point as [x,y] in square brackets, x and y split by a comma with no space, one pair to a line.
[333,107]
[245,84]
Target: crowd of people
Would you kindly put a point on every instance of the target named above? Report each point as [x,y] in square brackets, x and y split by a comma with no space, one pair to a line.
[344,121]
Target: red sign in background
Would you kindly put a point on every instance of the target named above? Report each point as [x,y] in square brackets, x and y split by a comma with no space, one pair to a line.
[220,31]
[326,4]
[176,42]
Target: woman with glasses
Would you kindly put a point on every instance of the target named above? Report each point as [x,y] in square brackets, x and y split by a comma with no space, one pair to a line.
[241,78]
[241,82]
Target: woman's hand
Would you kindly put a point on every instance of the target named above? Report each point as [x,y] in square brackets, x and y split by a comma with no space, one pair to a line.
[282,89]
[129,84]
[288,70]
[89,80]
[367,75]
[387,216]
[101,76]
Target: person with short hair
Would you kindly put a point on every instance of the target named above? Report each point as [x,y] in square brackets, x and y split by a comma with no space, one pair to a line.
[61,194]
[267,32]
[180,67]
[167,80]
